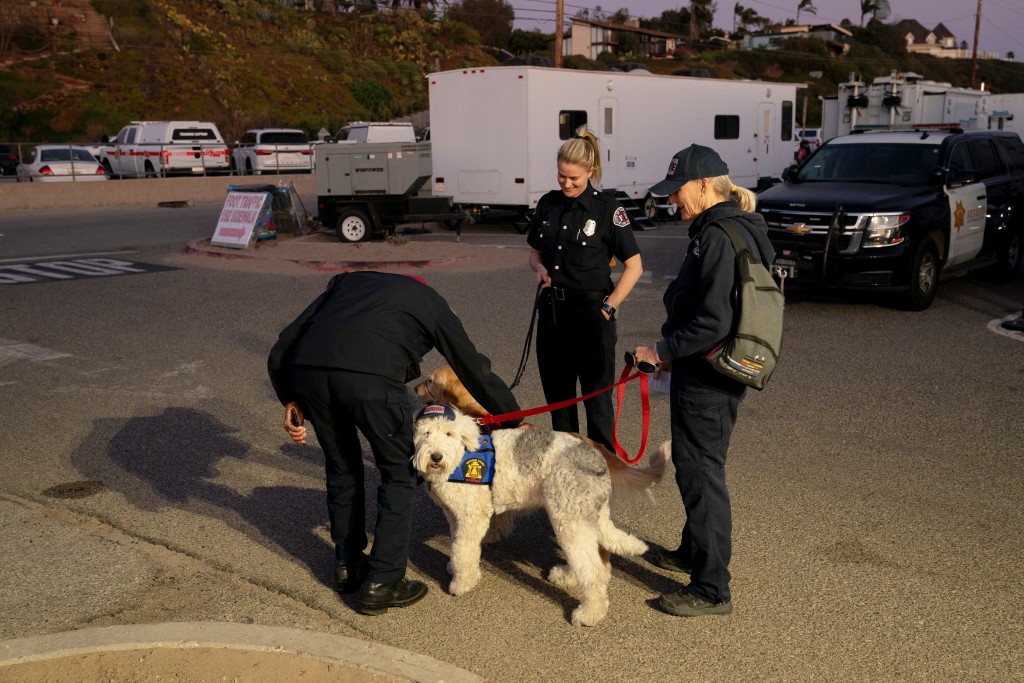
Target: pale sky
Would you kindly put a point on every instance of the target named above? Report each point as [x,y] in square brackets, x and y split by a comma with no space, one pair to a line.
[1001,31]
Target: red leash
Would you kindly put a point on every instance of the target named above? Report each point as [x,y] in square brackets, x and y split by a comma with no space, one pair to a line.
[645,409]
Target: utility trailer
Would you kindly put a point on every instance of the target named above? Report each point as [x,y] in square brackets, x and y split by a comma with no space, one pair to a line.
[367,189]
[495,131]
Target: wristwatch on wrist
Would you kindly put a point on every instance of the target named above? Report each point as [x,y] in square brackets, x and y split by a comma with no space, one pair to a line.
[609,309]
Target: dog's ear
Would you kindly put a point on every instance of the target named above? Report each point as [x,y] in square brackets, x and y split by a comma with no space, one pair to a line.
[469,430]
[455,392]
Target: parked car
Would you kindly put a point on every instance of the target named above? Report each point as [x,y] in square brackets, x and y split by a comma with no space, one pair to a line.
[272,150]
[8,160]
[900,210]
[56,163]
[812,135]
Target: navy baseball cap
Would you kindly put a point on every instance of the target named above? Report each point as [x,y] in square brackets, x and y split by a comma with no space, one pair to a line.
[696,161]
[436,410]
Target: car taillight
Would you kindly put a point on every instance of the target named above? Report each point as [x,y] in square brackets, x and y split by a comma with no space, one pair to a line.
[307,152]
[100,170]
[263,152]
[45,170]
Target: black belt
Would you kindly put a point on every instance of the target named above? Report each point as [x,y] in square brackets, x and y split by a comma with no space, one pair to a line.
[559,294]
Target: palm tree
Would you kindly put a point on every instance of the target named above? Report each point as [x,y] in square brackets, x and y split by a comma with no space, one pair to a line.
[805,6]
[737,11]
[878,9]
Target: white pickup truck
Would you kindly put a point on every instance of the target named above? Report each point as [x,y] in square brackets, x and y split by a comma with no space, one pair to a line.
[147,149]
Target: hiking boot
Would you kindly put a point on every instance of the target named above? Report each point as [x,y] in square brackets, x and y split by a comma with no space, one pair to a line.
[683,603]
[375,598]
[671,560]
[348,579]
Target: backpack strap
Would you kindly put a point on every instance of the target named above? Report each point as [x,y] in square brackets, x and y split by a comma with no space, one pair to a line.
[739,244]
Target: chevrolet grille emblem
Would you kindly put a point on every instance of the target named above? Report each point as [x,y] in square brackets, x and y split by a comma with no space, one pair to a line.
[798,228]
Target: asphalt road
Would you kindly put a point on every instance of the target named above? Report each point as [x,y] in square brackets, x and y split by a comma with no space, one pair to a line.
[876,482]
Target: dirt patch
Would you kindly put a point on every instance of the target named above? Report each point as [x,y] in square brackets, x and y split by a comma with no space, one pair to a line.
[193,664]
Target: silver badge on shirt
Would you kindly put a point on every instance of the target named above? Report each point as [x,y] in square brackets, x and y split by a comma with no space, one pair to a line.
[590,227]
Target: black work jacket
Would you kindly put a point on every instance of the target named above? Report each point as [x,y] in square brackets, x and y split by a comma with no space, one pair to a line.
[578,237]
[383,324]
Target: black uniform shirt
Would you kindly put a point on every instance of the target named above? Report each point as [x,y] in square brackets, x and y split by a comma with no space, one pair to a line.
[383,324]
[577,238]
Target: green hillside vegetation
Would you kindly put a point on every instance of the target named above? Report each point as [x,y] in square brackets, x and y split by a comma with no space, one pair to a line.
[254,63]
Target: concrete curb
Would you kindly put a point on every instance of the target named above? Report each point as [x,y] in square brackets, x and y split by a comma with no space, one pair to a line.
[341,650]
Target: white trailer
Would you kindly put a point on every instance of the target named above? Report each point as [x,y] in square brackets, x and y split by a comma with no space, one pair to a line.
[1006,112]
[902,100]
[495,131]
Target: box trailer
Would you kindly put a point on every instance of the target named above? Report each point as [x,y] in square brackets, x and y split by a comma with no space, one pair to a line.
[495,131]
[902,100]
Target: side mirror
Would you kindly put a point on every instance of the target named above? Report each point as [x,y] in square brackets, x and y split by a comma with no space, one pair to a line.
[936,175]
[960,178]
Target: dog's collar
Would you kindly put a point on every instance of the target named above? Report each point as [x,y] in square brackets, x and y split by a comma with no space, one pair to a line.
[476,467]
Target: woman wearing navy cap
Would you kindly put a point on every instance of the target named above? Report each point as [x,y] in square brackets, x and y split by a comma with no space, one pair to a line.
[575,233]
[700,313]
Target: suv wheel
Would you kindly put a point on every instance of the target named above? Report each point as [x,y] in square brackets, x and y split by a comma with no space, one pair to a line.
[1008,258]
[924,276]
[353,226]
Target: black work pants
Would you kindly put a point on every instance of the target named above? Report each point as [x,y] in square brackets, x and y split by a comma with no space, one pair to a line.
[576,343]
[703,418]
[337,403]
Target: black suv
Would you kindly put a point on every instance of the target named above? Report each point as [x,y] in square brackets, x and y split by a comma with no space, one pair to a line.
[897,210]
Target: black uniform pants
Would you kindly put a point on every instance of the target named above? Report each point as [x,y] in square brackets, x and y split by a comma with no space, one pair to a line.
[703,418]
[576,343]
[337,403]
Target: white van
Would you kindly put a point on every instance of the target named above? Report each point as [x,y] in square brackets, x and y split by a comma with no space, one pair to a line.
[147,149]
[365,131]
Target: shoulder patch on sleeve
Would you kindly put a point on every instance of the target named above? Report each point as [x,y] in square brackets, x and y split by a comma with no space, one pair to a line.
[620,219]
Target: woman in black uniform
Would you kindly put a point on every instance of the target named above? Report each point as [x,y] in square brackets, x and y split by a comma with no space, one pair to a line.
[575,233]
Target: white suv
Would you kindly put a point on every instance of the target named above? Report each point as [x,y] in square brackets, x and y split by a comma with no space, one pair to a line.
[272,150]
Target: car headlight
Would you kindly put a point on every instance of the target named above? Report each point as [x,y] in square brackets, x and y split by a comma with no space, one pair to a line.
[884,230]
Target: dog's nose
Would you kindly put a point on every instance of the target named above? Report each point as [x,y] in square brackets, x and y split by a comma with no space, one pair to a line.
[436,457]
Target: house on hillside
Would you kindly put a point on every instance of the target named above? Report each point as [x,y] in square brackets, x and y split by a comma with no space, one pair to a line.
[835,37]
[589,38]
[937,42]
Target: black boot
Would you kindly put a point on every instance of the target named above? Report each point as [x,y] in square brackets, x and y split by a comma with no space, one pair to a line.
[375,598]
[348,576]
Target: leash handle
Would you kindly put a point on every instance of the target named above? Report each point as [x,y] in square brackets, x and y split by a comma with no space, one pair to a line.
[645,411]
[643,366]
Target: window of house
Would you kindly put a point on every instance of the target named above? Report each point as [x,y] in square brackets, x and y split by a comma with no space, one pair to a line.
[727,127]
[569,121]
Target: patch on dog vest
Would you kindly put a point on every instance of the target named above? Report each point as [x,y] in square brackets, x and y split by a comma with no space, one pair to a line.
[477,467]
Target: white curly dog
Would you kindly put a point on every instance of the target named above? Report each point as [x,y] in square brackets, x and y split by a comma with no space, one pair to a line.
[534,468]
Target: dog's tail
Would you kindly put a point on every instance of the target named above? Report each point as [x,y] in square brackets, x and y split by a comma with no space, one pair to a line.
[628,480]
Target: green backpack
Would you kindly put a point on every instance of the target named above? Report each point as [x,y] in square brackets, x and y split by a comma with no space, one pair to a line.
[749,355]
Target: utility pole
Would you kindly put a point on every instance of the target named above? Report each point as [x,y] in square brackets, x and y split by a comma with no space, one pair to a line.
[974,57]
[559,23]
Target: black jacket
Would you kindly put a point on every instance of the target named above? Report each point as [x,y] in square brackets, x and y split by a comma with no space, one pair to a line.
[383,324]
[699,303]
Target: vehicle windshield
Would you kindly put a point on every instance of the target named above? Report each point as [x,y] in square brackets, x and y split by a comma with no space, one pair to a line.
[869,162]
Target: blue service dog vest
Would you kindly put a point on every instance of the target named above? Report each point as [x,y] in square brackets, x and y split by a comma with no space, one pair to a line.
[477,467]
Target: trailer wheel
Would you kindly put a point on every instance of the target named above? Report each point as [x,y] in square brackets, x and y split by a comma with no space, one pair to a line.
[651,207]
[354,226]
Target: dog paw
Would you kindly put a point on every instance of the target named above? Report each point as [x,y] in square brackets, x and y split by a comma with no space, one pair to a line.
[589,617]
[461,585]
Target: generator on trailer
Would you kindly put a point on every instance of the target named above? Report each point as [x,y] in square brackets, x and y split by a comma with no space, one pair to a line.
[366,189]
[495,130]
